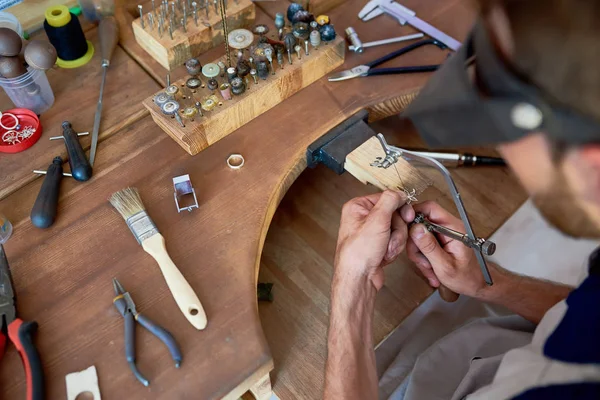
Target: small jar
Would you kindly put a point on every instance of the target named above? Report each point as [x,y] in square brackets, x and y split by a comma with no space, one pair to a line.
[7,20]
[30,90]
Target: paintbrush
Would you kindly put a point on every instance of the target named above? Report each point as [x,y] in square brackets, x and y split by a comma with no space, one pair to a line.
[129,204]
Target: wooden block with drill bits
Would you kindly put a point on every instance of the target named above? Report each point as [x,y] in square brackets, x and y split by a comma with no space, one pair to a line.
[220,97]
[172,32]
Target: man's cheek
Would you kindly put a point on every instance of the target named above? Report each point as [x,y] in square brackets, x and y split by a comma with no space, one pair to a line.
[531,161]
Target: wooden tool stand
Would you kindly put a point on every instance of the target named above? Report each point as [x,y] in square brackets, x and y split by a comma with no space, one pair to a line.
[171,53]
[229,115]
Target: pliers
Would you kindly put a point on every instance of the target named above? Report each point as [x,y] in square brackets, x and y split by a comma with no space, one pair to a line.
[20,333]
[367,69]
[126,307]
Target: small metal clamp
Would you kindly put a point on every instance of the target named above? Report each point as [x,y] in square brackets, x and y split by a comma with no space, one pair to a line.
[183,189]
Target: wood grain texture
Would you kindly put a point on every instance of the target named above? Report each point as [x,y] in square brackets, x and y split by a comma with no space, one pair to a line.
[400,176]
[76,95]
[171,53]
[30,13]
[229,115]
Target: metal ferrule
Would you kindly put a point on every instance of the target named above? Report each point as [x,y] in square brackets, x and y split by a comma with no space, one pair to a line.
[141,226]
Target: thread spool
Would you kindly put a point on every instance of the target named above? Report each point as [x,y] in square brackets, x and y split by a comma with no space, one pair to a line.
[64,32]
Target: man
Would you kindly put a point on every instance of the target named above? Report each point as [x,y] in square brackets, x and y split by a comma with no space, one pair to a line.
[533,89]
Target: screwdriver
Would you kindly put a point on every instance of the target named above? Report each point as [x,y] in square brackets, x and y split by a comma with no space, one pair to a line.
[108,32]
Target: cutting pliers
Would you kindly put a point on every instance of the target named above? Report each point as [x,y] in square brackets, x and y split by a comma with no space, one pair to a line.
[20,333]
[126,307]
[367,69]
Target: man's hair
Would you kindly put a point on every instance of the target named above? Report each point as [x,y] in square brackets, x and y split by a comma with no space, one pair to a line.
[557,47]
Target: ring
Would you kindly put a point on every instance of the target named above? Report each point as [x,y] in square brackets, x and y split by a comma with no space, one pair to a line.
[235,161]
[11,115]
[11,137]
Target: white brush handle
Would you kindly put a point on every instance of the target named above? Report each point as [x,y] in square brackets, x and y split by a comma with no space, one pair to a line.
[184,295]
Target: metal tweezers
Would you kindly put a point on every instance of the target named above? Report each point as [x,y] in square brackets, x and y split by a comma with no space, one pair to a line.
[367,69]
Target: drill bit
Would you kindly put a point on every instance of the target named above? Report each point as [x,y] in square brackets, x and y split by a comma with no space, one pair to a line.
[195,12]
[140,8]
[151,21]
[153,9]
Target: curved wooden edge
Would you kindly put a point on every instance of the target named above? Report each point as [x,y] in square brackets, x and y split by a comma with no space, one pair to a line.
[390,107]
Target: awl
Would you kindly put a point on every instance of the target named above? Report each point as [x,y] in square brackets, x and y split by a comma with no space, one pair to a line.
[109,36]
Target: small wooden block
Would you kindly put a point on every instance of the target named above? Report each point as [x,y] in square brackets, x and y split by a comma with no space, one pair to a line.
[401,175]
[258,98]
[198,39]
[262,389]
[318,7]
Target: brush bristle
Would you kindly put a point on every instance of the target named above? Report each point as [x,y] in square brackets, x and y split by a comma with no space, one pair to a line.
[127,202]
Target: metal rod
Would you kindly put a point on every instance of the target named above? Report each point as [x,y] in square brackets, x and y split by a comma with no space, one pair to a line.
[62,137]
[37,171]
[388,41]
[141,16]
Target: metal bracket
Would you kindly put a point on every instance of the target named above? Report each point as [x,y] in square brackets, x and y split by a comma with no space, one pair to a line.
[183,187]
[394,153]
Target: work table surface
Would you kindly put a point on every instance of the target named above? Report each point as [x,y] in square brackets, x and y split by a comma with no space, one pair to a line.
[63,275]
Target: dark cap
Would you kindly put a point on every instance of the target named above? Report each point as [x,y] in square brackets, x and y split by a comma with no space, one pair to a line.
[451,110]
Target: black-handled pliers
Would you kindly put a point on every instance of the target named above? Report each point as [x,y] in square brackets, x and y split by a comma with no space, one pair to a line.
[20,333]
[126,307]
[367,69]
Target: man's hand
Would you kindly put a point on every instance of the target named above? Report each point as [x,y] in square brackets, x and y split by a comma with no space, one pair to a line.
[372,234]
[440,258]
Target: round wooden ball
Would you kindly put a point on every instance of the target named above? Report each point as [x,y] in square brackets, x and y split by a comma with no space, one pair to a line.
[40,54]
[10,42]
[11,67]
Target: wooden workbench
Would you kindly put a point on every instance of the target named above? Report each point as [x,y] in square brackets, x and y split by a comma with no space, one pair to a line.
[63,275]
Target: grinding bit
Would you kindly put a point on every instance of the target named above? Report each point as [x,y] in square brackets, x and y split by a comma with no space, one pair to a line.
[231,73]
[210,70]
[262,70]
[225,91]
[193,66]
[161,99]
[260,29]
[212,84]
[222,68]
[240,38]
[193,83]
[237,86]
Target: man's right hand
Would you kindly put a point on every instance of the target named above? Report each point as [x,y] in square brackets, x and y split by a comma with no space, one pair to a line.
[441,259]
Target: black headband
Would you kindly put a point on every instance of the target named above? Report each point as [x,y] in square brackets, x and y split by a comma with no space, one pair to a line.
[451,111]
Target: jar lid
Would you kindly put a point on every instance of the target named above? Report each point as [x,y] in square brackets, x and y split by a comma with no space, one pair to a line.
[27,120]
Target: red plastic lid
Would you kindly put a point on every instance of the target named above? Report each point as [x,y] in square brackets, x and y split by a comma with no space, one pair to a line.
[26,118]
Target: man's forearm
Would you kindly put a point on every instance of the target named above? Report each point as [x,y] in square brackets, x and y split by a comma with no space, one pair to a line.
[350,370]
[529,297]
